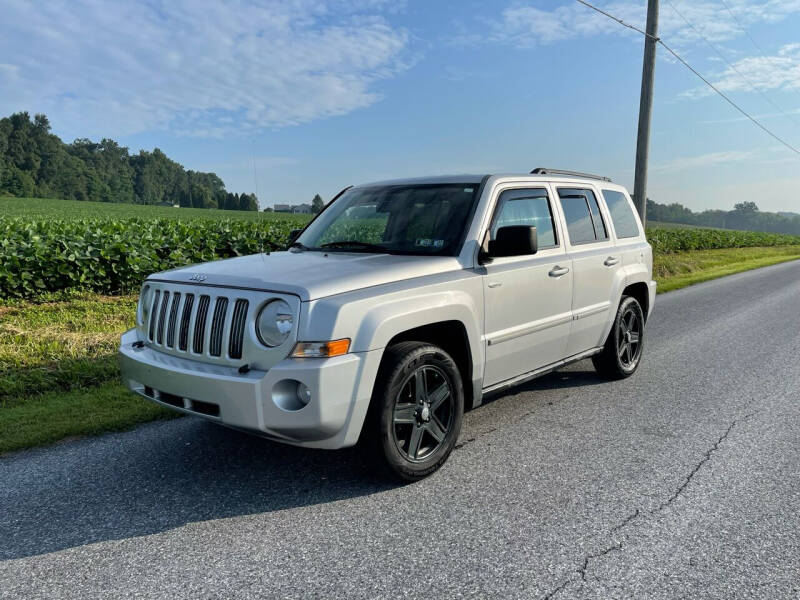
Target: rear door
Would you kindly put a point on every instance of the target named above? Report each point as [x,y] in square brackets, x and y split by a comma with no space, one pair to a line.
[594,263]
[528,299]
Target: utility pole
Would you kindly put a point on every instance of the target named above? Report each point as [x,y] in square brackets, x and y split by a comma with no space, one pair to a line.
[645,108]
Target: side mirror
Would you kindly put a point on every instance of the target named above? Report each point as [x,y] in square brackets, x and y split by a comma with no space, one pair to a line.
[514,240]
[294,234]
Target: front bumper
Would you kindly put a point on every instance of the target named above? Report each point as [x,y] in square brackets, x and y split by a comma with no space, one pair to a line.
[340,387]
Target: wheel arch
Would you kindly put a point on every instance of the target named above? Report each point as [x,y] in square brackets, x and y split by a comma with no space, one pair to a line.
[641,292]
[452,337]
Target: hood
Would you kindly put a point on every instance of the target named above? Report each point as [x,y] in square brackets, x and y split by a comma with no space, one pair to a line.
[311,275]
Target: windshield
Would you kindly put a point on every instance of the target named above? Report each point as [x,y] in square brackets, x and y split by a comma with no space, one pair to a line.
[394,219]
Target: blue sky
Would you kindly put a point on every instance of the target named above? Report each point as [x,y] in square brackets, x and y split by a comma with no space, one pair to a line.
[297,97]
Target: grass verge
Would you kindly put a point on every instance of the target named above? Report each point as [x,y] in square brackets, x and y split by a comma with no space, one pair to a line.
[54,416]
[675,271]
[59,376]
[67,341]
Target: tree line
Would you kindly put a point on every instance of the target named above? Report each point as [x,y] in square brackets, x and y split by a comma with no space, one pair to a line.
[36,163]
[745,216]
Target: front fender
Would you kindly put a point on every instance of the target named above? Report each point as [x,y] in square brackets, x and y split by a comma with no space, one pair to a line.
[371,319]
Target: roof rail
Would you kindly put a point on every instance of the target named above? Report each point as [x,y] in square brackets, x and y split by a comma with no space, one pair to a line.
[546,171]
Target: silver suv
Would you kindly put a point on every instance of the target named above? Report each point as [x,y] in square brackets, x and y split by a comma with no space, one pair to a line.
[399,306]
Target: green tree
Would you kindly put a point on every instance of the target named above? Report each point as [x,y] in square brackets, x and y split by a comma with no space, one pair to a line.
[746,207]
[317,204]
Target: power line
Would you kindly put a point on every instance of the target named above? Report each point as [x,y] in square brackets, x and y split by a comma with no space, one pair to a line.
[761,51]
[693,70]
[731,65]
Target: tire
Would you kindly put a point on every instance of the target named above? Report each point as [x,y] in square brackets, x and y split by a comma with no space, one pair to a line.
[622,351]
[416,410]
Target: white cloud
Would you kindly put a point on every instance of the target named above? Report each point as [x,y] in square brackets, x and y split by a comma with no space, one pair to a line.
[771,155]
[705,160]
[198,68]
[765,73]
[526,25]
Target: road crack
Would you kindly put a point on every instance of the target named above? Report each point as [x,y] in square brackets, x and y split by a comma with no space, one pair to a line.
[706,457]
[637,513]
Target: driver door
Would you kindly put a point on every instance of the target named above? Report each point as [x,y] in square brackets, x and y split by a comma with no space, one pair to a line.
[527,299]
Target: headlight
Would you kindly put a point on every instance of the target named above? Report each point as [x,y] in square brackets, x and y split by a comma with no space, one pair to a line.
[145,299]
[274,324]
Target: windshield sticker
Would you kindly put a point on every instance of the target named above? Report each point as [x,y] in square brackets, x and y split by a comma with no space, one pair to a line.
[468,190]
[426,243]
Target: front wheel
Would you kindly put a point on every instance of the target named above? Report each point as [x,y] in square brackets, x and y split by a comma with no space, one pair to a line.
[622,351]
[417,409]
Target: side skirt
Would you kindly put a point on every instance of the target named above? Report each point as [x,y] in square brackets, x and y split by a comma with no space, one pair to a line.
[539,372]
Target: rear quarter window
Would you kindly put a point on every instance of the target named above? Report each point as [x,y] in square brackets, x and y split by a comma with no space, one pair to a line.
[622,216]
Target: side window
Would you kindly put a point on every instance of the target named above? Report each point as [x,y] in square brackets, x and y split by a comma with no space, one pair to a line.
[621,214]
[526,207]
[582,213]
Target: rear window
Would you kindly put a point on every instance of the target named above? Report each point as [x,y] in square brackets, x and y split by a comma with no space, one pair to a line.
[621,214]
[582,214]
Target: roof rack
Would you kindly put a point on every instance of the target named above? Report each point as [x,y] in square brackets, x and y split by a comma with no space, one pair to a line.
[546,171]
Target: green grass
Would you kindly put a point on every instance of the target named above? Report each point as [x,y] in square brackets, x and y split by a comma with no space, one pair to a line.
[681,269]
[48,208]
[67,342]
[56,416]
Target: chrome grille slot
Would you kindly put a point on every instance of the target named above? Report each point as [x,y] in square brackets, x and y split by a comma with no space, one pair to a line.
[217,326]
[173,317]
[154,314]
[200,324]
[162,317]
[183,333]
[239,321]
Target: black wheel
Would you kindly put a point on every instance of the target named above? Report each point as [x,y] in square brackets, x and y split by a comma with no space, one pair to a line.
[622,351]
[416,410]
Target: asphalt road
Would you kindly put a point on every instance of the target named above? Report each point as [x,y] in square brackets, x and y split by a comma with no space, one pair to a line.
[681,482]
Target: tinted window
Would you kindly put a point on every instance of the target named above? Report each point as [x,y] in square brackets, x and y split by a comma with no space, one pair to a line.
[526,207]
[621,214]
[584,221]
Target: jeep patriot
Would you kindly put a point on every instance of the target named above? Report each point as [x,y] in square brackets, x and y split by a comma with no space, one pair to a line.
[402,304]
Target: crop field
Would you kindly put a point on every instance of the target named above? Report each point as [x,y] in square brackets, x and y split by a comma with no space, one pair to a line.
[44,208]
[69,272]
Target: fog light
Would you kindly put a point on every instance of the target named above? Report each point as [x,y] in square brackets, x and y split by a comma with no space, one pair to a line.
[303,393]
[291,395]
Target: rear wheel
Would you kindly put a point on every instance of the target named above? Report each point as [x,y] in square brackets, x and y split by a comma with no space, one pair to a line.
[622,351]
[417,408]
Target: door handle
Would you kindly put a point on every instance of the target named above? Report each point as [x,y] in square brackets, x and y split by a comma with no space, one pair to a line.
[495,284]
[558,271]
[611,261]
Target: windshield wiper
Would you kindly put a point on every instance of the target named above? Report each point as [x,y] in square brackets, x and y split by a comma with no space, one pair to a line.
[355,244]
[299,245]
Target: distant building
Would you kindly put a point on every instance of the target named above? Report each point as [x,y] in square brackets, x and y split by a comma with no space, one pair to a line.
[293,208]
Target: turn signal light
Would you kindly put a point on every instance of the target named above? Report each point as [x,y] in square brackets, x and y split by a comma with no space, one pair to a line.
[321,349]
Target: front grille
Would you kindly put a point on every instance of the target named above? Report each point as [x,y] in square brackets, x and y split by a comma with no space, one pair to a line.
[173,316]
[238,323]
[217,325]
[200,324]
[162,314]
[183,335]
[185,324]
